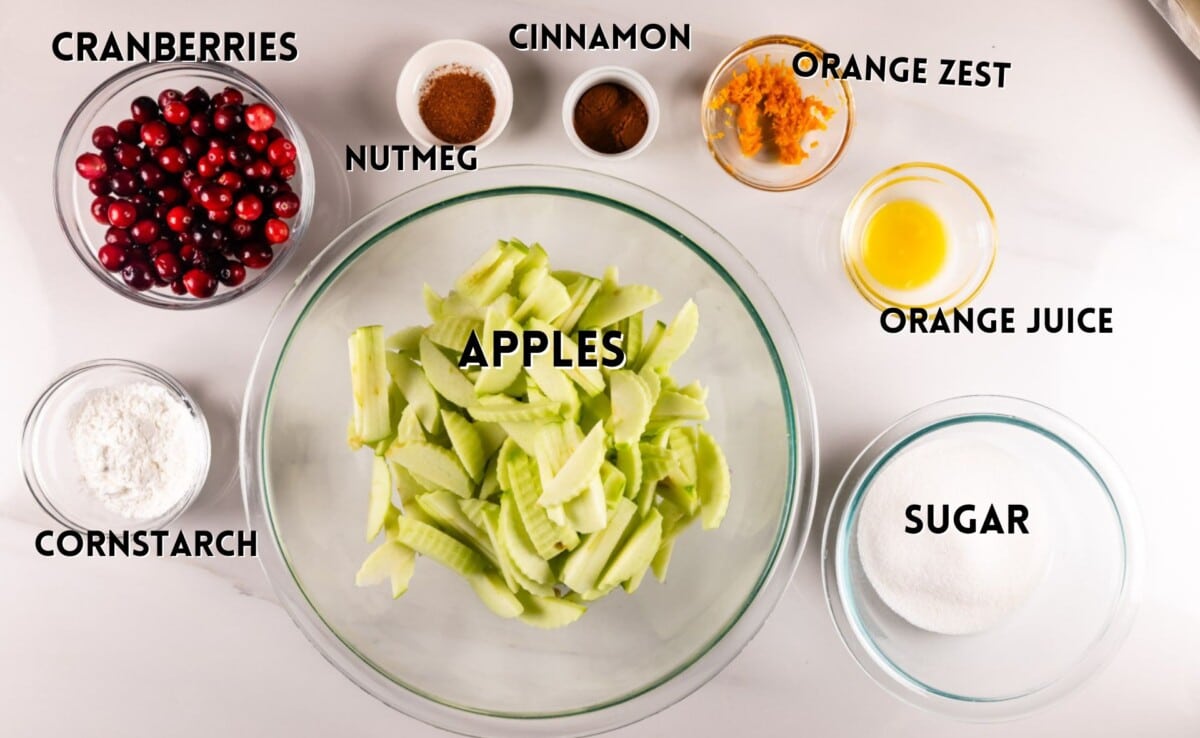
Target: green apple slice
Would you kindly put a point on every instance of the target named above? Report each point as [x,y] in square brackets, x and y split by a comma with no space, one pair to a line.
[391,560]
[713,482]
[429,461]
[444,376]
[427,540]
[549,612]
[491,588]
[635,556]
[380,498]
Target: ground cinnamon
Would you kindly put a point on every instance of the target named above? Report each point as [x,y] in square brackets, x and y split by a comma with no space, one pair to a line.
[610,118]
[457,104]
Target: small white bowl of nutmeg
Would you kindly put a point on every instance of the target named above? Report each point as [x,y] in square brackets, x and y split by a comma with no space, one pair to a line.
[454,92]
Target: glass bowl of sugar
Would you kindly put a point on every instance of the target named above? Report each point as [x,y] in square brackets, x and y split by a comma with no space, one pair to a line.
[113,444]
[982,557]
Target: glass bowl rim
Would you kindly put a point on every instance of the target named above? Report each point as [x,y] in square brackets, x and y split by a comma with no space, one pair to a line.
[1031,416]
[157,376]
[795,522]
[710,87]
[881,301]
[64,181]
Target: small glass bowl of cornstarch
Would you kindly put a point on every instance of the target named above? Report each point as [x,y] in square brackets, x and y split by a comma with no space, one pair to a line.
[983,557]
[115,445]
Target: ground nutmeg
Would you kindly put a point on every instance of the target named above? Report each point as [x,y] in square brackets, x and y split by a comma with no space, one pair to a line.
[457,104]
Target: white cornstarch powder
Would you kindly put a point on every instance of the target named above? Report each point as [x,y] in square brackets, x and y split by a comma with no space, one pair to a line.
[137,447]
[953,582]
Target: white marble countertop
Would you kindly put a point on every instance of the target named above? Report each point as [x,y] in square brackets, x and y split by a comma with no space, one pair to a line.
[1091,158]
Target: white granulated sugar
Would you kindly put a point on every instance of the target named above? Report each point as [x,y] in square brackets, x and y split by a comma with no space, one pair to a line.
[137,447]
[953,583]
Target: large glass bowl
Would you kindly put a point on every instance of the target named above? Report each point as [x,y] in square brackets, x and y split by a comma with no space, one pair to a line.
[109,104]
[437,654]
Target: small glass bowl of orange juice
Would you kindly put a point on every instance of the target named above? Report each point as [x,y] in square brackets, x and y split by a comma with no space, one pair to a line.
[919,235]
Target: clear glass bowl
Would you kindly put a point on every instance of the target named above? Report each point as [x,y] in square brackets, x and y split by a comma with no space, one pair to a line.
[437,654]
[109,104]
[763,172]
[970,228]
[1078,614]
[48,457]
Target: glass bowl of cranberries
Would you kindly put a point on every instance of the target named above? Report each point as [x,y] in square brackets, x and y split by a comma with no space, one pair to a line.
[183,185]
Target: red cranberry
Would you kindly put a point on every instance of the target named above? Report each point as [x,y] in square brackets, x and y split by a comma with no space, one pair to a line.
[128,155]
[199,283]
[286,204]
[173,159]
[105,137]
[276,231]
[207,236]
[100,209]
[258,140]
[178,288]
[143,109]
[259,169]
[168,195]
[216,153]
[90,166]
[100,186]
[227,118]
[281,151]
[144,231]
[151,175]
[239,156]
[205,168]
[287,171]
[137,275]
[216,197]
[115,236]
[241,229]
[129,131]
[176,112]
[232,274]
[141,201]
[112,257]
[256,255]
[220,217]
[250,207]
[201,125]
[259,117]
[155,134]
[168,265]
[193,146]
[233,96]
[158,246]
[232,180]
[122,214]
[217,101]
[188,252]
[179,218]
[123,182]
[167,96]
[197,99]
